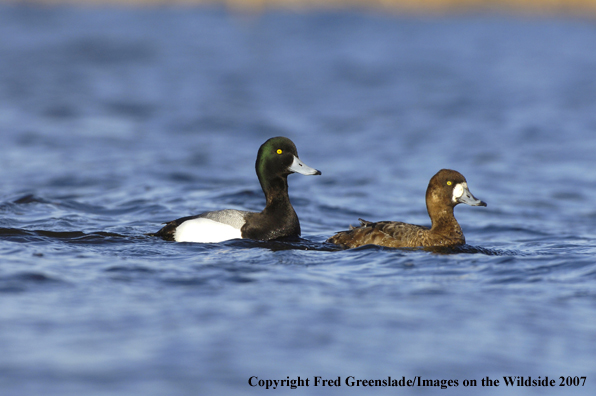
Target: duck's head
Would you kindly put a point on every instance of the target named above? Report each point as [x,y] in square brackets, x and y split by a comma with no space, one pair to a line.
[449,188]
[278,157]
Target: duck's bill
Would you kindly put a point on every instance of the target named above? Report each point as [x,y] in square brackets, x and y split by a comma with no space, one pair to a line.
[300,167]
[461,194]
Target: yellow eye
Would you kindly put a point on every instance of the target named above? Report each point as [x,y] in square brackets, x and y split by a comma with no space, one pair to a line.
[279,151]
[448,183]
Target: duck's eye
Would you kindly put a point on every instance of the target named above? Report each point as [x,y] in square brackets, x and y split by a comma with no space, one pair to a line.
[279,151]
[449,183]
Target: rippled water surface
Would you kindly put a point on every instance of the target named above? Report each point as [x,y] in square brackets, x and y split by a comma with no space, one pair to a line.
[113,121]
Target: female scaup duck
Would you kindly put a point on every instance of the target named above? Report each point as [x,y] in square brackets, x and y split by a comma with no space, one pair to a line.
[277,158]
[445,190]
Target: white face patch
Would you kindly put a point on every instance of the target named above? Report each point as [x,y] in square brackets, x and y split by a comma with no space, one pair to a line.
[458,191]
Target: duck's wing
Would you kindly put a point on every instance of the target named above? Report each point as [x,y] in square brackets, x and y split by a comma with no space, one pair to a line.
[168,231]
[363,223]
[231,217]
[382,233]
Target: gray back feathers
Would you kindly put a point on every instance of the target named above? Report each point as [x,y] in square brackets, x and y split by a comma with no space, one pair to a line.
[233,217]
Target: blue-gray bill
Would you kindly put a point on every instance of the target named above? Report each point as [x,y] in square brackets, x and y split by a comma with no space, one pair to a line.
[300,167]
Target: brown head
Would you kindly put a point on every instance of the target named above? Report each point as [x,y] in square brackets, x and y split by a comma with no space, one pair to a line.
[445,190]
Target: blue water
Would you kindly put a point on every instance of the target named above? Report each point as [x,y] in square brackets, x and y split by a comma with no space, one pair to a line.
[113,121]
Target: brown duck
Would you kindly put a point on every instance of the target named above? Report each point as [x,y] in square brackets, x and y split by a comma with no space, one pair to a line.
[445,190]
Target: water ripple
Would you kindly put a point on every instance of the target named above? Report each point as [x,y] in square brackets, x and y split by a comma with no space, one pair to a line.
[23,281]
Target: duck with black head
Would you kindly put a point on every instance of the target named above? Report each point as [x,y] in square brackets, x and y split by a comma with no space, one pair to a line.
[446,189]
[277,158]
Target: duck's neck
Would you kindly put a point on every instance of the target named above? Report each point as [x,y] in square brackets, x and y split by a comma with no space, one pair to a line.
[276,191]
[278,219]
[278,202]
[445,224]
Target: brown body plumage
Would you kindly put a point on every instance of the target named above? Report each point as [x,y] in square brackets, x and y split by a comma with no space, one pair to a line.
[445,190]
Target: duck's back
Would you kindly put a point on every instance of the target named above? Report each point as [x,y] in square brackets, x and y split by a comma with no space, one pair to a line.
[383,233]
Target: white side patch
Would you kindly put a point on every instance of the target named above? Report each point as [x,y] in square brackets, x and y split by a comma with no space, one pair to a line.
[458,190]
[205,230]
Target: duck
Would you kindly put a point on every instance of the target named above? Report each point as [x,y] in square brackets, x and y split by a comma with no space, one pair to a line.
[276,159]
[446,189]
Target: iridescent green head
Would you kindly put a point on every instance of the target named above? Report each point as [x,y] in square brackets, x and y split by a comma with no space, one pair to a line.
[278,158]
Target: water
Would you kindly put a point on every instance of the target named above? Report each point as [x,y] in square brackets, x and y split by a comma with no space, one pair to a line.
[115,120]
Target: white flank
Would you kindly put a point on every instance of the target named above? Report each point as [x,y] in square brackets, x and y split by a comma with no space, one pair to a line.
[205,230]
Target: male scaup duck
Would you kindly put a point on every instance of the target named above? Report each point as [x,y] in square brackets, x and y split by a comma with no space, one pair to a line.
[445,190]
[277,158]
